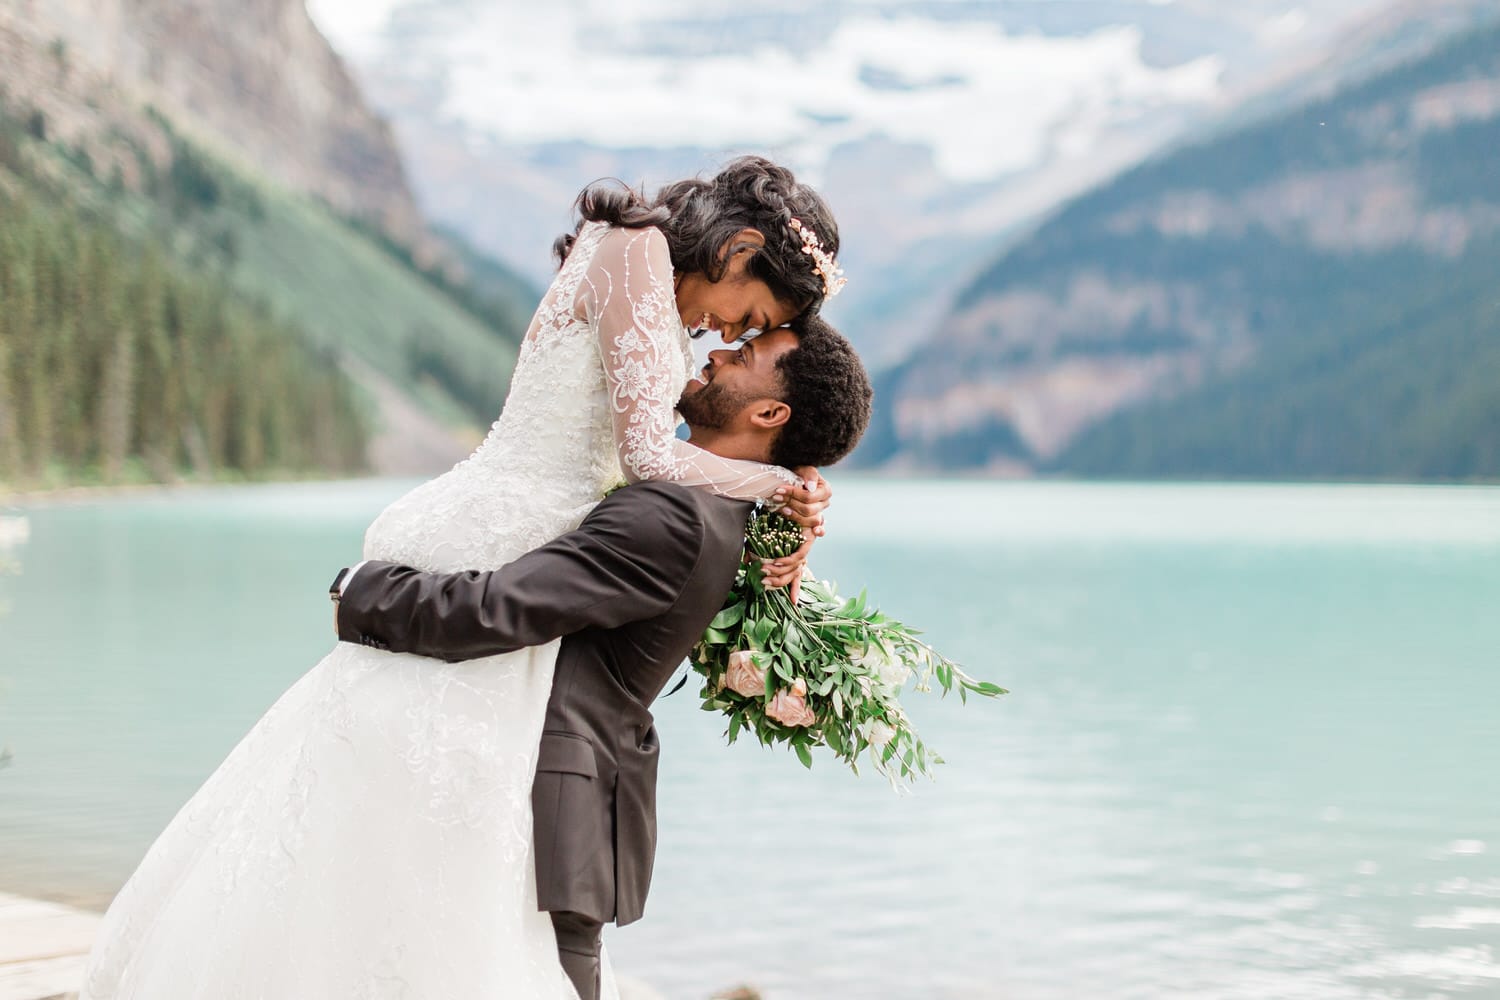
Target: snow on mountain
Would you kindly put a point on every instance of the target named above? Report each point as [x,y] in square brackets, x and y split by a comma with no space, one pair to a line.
[936,128]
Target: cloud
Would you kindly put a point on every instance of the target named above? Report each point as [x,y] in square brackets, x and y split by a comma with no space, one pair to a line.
[354,27]
[658,75]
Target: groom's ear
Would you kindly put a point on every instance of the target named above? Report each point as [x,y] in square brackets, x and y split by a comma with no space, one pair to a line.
[769,414]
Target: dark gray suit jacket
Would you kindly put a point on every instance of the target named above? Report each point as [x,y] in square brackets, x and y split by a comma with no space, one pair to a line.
[630,591]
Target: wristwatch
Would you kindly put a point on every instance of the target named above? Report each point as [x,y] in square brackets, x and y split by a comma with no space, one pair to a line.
[336,588]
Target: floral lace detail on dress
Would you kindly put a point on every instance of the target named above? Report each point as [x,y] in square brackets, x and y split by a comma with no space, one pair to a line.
[627,296]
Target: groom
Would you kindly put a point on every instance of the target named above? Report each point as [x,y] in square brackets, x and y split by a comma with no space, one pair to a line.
[629,592]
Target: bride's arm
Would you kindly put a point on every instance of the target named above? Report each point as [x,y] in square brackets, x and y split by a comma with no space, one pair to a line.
[627,296]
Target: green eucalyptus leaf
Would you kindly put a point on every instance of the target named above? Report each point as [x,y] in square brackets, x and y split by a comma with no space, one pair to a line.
[731,615]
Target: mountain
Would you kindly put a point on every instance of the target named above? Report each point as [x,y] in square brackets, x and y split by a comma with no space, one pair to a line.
[253,79]
[938,131]
[116,366]
[228,140]
[1308,295]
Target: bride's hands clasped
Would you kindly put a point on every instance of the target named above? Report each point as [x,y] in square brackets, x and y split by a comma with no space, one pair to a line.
[805,504]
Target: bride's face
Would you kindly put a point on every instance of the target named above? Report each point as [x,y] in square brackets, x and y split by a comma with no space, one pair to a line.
[736,302]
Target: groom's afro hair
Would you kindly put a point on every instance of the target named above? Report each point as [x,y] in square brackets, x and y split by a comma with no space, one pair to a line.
[828,390]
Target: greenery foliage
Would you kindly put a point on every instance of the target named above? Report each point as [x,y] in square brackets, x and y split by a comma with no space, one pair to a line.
[839,664]
[209,319]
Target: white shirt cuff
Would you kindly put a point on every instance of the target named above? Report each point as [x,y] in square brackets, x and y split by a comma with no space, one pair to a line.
[348,576]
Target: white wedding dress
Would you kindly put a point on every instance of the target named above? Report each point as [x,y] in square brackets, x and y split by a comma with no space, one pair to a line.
[371,836]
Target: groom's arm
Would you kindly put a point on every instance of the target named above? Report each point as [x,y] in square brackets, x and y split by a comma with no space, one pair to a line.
[626,562]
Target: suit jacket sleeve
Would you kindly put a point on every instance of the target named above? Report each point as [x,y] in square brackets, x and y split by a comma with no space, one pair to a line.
[626,562]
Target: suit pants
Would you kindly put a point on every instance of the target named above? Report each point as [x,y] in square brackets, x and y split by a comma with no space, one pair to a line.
[578,948]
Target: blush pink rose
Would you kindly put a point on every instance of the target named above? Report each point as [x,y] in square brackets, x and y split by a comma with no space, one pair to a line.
[743,676]
[790,707]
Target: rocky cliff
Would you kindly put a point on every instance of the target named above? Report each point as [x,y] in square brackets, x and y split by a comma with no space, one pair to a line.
[252,78]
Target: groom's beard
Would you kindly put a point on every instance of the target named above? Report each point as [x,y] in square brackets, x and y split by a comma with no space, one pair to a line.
[711,407]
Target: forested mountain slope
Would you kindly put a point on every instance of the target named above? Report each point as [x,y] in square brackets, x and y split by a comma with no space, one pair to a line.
[1311,295]
[408,336]
[116,366]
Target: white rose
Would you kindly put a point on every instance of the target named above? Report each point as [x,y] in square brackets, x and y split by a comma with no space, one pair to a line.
[895,674]
[889,671]
[873,656]
[879,733]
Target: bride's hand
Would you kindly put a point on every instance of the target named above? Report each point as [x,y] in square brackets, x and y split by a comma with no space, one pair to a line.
[805,504]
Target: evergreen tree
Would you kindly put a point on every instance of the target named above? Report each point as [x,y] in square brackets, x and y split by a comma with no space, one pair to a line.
[108,355]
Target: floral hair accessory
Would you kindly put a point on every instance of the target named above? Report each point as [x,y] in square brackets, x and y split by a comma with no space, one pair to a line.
[824,264]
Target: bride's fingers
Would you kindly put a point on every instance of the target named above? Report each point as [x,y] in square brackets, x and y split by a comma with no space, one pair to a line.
[813,483]
[806,508]
[783,571]
[807,513]
[812,496]
[787,564]
[775,579]
[811,478]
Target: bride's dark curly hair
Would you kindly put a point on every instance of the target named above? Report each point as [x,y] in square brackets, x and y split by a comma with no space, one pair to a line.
[699,217]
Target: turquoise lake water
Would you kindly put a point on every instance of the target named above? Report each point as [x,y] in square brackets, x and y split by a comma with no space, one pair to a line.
[1252,748]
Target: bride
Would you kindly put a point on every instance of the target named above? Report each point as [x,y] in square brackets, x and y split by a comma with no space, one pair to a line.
[371,836]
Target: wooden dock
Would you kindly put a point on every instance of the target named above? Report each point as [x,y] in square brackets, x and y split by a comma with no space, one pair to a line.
[42,948]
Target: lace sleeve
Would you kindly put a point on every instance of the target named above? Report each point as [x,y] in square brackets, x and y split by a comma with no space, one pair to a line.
[627,296]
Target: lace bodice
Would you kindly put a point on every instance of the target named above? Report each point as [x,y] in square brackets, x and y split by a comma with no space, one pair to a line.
[591,403]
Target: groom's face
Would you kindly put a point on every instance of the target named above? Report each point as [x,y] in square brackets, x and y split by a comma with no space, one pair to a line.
[734,383]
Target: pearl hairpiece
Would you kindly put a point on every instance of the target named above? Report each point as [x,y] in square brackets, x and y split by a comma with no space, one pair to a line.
[824,264]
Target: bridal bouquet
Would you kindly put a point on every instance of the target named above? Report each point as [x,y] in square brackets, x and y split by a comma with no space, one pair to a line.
[825,671]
